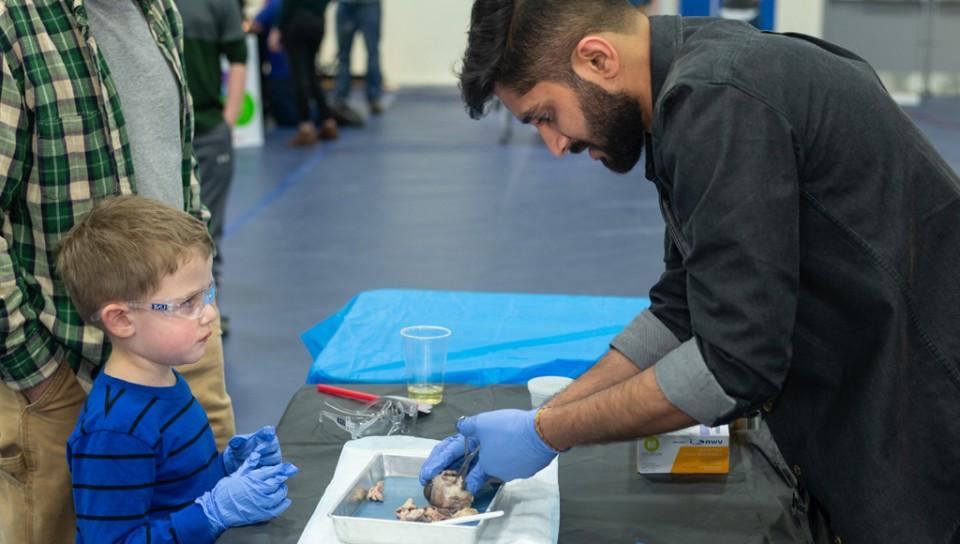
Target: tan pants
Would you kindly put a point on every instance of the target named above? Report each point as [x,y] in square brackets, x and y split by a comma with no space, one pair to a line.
[36,499]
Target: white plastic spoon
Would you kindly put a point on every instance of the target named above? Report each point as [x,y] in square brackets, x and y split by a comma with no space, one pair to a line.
[468,519]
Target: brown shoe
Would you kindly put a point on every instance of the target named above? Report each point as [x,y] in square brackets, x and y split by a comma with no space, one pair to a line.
[329,130]
[305,136]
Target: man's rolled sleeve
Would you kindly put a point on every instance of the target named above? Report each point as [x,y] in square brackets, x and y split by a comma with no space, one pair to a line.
[645,340]
[235,51]
[232,39]
[689,385]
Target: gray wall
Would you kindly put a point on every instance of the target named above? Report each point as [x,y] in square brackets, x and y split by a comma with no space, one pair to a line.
[892,36]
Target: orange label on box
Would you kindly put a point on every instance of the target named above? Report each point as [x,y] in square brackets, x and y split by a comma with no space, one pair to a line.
[702,460]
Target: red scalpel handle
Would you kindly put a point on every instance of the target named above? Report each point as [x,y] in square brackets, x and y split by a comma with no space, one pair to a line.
[346,393]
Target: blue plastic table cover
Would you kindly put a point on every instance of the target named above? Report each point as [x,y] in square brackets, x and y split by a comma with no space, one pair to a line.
[497,337]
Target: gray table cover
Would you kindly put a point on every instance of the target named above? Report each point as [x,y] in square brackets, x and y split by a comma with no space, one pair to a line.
[602,498]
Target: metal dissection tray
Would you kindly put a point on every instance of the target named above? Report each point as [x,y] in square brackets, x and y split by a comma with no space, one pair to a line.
[359,521]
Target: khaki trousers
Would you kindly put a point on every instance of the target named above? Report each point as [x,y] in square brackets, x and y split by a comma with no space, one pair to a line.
[36,498]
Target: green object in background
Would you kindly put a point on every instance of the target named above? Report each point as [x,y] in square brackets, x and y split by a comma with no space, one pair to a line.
[247,109]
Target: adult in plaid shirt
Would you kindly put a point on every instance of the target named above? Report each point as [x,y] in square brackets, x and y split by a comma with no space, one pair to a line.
[93,103]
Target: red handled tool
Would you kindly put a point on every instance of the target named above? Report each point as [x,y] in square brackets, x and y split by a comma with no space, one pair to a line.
[343,392]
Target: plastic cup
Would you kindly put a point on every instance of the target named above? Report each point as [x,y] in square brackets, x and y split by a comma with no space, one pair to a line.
[544,387]
[424,359]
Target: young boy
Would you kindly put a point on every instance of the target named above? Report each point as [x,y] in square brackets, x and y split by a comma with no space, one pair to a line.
[143,460]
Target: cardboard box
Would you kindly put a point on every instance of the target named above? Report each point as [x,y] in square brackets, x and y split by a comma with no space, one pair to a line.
[694,450]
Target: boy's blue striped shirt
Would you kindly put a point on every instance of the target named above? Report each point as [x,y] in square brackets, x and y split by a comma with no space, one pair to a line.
[139,457]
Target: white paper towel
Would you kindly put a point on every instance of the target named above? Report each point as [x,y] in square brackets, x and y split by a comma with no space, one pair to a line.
[531,507]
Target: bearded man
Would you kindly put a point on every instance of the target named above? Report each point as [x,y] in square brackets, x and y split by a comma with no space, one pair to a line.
[811,254]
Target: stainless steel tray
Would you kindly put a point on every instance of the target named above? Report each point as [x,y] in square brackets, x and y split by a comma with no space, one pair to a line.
[359,521]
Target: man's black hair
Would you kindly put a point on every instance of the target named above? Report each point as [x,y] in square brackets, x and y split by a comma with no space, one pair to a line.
[519,43]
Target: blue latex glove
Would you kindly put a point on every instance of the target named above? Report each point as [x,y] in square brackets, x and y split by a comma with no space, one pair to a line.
[448,454]
[250,495]
[264,442]
[510,448]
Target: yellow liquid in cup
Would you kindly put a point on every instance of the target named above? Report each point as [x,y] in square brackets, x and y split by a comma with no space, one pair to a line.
[431,394]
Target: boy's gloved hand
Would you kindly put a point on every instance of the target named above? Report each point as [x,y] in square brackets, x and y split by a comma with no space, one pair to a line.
[264,442]
[249,495]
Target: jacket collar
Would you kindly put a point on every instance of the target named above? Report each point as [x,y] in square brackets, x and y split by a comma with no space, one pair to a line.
[666,38]
[667,35]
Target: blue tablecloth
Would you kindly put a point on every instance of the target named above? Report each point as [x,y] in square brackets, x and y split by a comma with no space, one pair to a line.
[497,337]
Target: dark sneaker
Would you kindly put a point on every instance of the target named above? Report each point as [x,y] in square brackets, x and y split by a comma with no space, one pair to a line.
[345,115]
[376,107]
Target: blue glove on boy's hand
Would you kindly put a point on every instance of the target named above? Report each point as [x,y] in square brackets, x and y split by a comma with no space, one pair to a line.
[249,495]
[510,448]
[264,442]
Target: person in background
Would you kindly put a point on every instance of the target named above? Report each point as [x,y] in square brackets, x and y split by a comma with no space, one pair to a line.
[365,16]
[811,252]
[299,28]
[144,463]
[212,30]
[275,78]
[93,103]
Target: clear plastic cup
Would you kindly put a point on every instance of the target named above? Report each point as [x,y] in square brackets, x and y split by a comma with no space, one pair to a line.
[424,359]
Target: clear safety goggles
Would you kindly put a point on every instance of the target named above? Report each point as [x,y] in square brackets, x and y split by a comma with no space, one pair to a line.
[382,417]
[189,307]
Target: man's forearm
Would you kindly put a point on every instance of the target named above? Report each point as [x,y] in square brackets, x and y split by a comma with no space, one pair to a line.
[611,369]
[631,409]
[236,88]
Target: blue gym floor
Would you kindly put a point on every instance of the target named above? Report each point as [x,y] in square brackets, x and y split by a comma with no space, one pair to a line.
[423,197]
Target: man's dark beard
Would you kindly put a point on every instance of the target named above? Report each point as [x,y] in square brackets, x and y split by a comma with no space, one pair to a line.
[615,123]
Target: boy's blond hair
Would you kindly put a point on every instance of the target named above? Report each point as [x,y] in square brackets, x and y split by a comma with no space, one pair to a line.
[123,249]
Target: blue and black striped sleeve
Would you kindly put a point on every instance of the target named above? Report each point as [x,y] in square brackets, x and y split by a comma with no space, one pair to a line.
[114,477]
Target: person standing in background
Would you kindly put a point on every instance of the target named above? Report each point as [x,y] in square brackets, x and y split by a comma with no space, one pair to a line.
[213,29]
[93,103]
[299,29]
[275,80]
[365,16]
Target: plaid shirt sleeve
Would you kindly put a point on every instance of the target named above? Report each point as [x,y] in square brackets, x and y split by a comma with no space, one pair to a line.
[28,347]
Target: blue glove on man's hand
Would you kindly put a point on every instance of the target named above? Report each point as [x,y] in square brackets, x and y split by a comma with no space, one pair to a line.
[250,495]
[264,442]
[510,448]
[448,454]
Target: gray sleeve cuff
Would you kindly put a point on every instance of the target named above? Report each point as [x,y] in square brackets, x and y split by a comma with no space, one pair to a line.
[689,385]
[645,340]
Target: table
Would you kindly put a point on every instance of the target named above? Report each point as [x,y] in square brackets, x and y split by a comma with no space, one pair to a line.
[602,498]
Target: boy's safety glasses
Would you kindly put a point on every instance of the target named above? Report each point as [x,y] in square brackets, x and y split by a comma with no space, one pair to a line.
[189,307]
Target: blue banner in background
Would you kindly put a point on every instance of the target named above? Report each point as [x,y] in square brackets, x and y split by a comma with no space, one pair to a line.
[497,337]
[759,13]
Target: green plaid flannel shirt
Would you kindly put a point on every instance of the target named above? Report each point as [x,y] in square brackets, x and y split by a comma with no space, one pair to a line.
[63,146]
